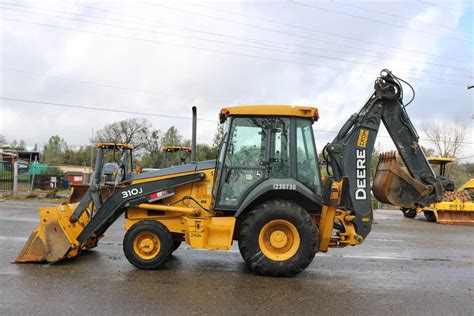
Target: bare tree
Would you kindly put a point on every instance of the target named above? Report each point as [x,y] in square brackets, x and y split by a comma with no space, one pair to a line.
[131,131]
[447,137]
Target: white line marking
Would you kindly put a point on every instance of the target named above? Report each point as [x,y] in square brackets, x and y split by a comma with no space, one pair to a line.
[377,257]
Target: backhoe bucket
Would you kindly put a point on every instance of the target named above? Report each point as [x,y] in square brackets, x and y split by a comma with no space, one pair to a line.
[55,237]
[393,185]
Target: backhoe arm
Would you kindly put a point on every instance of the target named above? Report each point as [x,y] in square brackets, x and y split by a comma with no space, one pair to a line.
[349,155]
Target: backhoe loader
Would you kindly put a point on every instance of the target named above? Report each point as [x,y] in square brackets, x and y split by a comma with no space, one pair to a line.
[264,190]
[457,206]
[180,150]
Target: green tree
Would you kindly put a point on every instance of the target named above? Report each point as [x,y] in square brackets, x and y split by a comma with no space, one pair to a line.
[204,152]
[80,156]
[216,142]
[172,137]
[53,151]
[152,146]
[18,145]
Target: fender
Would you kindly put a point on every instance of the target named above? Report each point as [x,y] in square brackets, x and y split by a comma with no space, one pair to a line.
[275,184]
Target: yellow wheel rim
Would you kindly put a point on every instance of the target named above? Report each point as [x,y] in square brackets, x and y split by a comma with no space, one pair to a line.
[146,245]
[279,240]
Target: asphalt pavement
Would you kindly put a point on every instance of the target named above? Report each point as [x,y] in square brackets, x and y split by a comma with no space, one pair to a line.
[406,266]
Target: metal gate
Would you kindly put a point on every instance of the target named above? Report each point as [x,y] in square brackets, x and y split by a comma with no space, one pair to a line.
[6,176]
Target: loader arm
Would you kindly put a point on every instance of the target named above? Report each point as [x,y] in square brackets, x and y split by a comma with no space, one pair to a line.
[349,155]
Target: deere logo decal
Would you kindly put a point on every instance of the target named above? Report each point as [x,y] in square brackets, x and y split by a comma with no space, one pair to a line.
[363,137]
[361,175]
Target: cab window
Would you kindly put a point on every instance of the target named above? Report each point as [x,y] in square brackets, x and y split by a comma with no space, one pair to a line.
[307,171]
[281,148]
[244,159]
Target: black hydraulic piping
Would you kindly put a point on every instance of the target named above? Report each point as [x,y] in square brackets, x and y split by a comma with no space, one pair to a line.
[193,137]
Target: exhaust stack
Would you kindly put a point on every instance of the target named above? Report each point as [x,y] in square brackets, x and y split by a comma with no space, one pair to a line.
[193,136]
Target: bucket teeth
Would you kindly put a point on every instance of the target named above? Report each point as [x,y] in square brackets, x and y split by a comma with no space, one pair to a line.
[388,155]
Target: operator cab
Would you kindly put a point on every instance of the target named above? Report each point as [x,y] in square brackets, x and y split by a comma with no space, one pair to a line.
[447,183]
[263,153]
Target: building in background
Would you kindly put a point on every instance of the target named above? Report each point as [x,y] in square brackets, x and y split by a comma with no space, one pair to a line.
[76,174]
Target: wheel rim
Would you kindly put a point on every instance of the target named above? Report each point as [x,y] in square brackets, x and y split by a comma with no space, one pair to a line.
[279,240]
[146,245]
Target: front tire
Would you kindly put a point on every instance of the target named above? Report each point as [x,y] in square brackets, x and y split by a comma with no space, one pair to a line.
[148,244]
[409,212]
[278,238]
[430,216]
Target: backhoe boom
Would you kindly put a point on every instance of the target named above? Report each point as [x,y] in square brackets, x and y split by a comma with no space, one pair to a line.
[349,155]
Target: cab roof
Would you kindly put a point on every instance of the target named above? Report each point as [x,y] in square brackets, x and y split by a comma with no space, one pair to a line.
[440,160]
[269,110]
[114,146]
[176,148]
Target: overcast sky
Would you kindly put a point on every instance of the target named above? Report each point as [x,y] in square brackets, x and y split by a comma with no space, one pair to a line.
[163,57]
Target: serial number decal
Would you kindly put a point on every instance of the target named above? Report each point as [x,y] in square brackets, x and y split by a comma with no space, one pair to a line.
[132,192]
[284,186]
[363,137]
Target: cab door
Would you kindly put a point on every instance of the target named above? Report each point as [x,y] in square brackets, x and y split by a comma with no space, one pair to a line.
[245,163]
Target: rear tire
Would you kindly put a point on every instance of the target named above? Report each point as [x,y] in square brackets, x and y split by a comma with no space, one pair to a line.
[278,238]
[409,212]
[148,244]
[430,216]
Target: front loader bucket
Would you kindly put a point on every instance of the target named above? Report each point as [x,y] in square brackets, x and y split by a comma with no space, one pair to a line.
[393,185]
[34,249]
[55,237]
[77,192]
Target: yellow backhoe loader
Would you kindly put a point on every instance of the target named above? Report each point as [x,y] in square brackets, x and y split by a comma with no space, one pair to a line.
[264,190]
[182,151]
[457,206]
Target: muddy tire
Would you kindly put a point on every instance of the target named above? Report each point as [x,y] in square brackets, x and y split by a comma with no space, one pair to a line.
[148,244]
[430,216]
[278,238]
[409,212]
